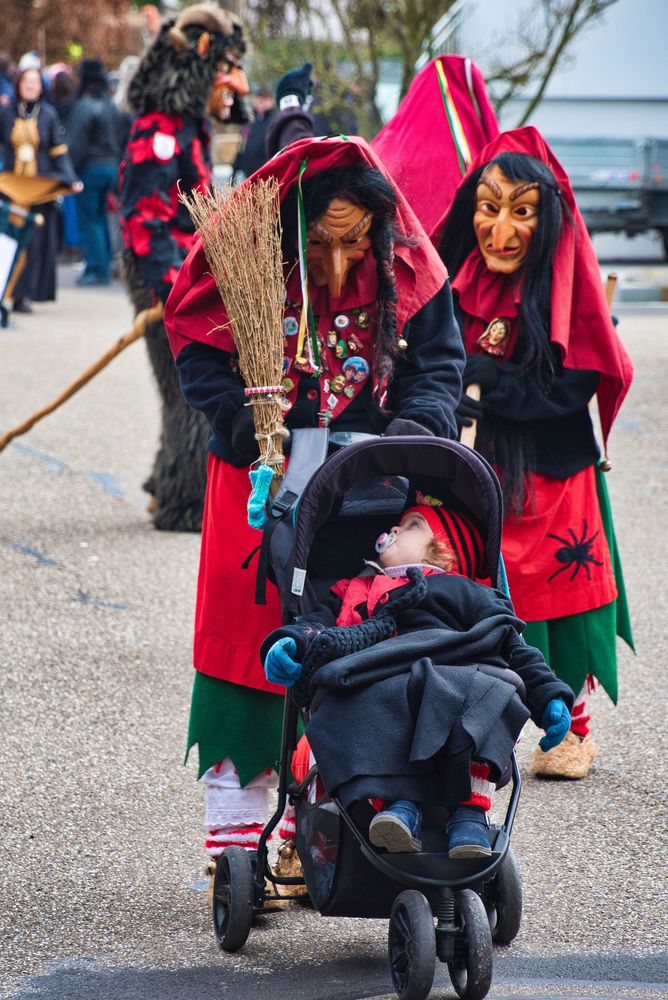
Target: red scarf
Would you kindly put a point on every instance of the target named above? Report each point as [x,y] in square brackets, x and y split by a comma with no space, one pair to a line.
[417,145]
[580,320]
[194,310]
[484,296]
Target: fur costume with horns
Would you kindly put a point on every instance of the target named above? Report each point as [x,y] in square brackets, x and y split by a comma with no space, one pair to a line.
[168,149]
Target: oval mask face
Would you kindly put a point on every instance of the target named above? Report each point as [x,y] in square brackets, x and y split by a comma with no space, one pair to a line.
[505,219]
[337,241]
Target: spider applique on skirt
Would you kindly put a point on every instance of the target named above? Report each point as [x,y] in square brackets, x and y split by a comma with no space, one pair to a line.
[575,553]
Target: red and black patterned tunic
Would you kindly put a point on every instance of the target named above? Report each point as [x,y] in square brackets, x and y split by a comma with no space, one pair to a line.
[165,153]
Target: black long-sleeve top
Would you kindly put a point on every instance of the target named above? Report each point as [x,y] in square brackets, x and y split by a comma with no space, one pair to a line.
[94,132]
[425,388]
[552,412]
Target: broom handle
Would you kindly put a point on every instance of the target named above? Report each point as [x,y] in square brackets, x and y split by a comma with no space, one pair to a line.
[144,319]
[468,434]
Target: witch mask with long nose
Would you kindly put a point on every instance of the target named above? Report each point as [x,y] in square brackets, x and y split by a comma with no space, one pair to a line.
[505,219]
[337,241]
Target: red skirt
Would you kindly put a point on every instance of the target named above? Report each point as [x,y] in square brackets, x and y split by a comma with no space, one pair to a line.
[229,625]
[556,554]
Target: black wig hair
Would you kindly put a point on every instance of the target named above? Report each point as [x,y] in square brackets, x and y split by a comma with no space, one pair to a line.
[366,187]
[508,444]
[458,239]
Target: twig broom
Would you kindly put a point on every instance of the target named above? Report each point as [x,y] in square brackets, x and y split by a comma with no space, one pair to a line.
[241,238]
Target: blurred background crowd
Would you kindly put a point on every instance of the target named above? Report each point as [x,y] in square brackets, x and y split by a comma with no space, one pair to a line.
[540,69]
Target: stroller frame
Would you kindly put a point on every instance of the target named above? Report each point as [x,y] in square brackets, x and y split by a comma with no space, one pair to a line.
[459,937]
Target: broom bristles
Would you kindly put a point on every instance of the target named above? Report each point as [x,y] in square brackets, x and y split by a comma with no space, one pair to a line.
[241,236]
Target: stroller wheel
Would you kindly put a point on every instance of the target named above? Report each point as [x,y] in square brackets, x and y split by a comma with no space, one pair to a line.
[233,898]
[471,968]
[412,946]
[502,897]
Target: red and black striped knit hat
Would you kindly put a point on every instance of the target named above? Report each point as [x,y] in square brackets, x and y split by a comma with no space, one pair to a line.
[457,531]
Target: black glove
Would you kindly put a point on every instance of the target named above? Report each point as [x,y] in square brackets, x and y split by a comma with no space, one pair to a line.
[403,427]
[243,435]
[295,82]
[468,410]
[483,370]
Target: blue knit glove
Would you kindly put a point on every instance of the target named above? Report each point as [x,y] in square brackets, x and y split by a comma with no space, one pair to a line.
[556,722]
[279,666]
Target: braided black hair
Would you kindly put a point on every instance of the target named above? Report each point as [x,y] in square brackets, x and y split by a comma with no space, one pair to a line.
[367,188]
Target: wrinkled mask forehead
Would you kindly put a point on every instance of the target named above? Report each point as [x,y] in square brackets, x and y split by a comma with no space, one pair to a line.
[344,220]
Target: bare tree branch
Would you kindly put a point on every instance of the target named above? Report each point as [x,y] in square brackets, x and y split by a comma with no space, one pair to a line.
[544,37]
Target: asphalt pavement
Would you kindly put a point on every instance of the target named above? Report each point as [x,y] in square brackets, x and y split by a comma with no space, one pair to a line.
[101,885]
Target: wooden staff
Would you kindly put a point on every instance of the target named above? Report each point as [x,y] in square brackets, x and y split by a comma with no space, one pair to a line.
[143,320]
[468,434]
[610,288]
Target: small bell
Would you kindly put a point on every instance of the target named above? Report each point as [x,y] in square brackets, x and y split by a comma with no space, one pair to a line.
[402,344]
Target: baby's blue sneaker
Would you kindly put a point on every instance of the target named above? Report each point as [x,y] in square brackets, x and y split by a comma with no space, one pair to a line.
[467,833]
[398,828]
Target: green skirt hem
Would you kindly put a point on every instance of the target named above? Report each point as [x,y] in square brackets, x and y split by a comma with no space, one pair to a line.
[582,644]
[228,720]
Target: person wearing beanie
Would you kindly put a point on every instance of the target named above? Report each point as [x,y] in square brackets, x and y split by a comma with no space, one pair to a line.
[94,130]
[459,722]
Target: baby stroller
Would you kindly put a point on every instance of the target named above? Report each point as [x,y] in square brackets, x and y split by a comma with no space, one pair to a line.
[324,537]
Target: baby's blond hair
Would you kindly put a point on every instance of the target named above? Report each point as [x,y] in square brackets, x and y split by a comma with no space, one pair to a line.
[440,555]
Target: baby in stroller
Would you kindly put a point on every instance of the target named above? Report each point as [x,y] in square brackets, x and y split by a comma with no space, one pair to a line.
[421,728]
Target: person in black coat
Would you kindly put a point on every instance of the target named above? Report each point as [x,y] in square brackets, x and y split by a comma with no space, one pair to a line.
[410,698]
[95,130]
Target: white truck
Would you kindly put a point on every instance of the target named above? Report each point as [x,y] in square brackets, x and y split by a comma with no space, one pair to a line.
[621,185]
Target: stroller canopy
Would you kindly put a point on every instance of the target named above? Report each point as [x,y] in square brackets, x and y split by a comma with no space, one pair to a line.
[446,469]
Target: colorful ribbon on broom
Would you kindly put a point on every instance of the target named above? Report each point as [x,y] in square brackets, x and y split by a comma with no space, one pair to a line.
[307,319]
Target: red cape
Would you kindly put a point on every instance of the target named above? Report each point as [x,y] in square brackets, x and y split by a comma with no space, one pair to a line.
[194,308]
[417,146]
[580,319]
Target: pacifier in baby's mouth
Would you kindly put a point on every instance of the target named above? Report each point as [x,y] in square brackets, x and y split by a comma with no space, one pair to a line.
[384,541]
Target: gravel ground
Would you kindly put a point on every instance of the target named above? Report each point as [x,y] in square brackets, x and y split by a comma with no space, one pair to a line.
[102,883]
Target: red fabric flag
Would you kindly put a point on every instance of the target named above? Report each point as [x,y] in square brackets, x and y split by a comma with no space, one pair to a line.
[422,145]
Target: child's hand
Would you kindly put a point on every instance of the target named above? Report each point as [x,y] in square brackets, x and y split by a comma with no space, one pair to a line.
[279,666]
[556,722]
